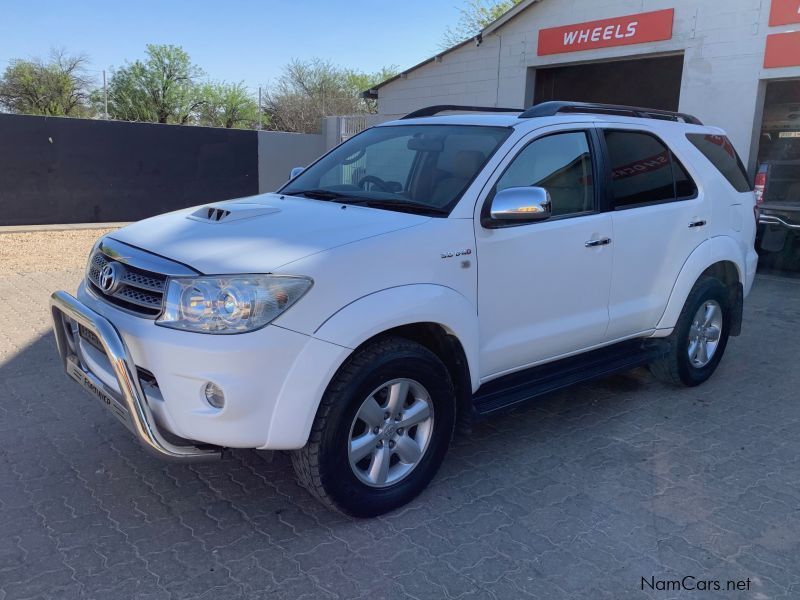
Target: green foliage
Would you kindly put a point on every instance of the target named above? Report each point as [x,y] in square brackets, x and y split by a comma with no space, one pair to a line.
[228,105]
[473,17]
[166,87]
[58,86]
[307,91]
[161,89]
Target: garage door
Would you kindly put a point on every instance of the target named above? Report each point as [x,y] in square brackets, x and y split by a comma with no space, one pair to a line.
[650,82]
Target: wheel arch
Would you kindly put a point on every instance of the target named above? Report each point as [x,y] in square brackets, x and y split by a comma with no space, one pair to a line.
[426,312]
[445,344]
[720,257]
[437,317]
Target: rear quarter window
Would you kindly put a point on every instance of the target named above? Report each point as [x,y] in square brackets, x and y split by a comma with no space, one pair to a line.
[721,153]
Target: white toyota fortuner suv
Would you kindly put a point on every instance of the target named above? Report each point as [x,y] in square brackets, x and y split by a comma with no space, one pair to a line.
[425,272]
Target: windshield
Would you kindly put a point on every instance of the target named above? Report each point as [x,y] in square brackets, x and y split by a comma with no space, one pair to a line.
[412,168]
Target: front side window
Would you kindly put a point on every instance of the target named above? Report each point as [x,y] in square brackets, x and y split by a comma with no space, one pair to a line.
[412,168]
[644,170]
[560,163]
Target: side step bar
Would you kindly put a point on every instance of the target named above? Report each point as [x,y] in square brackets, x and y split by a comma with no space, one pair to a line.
[511,390]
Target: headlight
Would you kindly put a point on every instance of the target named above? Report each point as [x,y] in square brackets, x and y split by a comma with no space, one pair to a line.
[229,303]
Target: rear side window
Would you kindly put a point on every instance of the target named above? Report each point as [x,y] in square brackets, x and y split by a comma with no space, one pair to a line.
[719,150]
[684,184]
[644,171]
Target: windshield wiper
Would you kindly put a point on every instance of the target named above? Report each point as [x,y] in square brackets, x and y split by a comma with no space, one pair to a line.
[401,204]
[318,194]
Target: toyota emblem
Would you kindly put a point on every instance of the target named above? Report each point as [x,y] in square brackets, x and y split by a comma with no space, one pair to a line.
[109,277]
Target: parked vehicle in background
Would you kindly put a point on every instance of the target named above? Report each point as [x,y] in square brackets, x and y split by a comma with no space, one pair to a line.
[777,188]
[426,272]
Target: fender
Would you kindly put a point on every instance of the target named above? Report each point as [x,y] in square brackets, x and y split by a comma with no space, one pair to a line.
[717,249]
[348,328]
[370,315]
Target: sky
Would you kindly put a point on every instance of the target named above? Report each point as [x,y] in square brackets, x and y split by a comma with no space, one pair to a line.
[233,40]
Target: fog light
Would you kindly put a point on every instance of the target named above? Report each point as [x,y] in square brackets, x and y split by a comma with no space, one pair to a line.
[214,395]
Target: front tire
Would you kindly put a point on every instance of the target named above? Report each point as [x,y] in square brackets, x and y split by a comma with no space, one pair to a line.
[381,431]
[700,336]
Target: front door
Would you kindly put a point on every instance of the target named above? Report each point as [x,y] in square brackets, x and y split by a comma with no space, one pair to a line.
[543,287]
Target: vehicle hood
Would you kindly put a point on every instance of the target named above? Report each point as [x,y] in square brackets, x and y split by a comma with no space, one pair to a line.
[259,234]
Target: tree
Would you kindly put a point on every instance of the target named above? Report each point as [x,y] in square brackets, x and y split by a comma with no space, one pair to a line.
[227,105]
[58,86]
[161,89]
[473,17]
[306,91]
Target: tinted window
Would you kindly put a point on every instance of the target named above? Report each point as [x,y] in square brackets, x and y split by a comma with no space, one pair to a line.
[684,184]
[560,163]
[719,150]
[641,170]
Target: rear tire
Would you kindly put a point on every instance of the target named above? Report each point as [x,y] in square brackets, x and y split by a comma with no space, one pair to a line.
[700,336]
[362,462]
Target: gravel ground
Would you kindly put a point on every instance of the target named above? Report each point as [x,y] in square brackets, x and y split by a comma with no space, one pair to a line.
[34,251]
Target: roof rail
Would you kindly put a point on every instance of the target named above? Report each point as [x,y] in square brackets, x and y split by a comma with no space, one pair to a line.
[430,111]
[550,109]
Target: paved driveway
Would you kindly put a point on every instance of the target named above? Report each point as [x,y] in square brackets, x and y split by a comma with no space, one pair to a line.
[580,495]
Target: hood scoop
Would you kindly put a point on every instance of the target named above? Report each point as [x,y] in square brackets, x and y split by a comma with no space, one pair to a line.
[232,211]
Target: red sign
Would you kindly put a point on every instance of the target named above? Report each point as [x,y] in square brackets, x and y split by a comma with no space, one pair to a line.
[640,167]
[620,31]
[783,50]
[784,12]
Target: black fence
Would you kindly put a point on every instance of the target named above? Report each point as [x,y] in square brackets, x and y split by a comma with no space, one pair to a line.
[62,170]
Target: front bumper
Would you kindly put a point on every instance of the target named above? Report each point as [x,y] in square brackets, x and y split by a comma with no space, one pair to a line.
[127,402]
[273,378]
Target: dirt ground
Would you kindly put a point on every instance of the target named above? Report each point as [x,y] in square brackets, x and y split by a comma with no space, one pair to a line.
[33,251]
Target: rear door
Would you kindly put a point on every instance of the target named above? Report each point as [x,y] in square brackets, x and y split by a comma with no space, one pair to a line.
[659,217]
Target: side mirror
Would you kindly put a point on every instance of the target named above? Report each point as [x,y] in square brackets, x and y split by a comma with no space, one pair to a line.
[296,171]
[521,204]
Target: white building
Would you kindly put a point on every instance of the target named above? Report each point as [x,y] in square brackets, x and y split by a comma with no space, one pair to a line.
[720,60]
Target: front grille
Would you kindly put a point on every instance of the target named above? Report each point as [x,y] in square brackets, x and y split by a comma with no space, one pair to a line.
[138,291]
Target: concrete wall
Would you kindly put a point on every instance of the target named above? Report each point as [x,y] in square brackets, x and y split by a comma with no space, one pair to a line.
[723,42]
[63,170]
[280,152]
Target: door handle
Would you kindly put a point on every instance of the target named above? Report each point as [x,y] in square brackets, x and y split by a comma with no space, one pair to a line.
[696,224]
[601,242]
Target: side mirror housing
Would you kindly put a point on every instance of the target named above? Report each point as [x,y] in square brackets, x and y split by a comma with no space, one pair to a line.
[521,204]
[296,171]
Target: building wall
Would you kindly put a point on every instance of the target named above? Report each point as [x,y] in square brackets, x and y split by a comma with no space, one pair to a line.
[279,152]
[723,43]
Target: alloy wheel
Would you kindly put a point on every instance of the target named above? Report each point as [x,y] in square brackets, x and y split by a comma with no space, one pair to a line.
[390,432]
[705,333]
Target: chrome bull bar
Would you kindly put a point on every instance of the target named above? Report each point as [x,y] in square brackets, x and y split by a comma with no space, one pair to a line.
[129,405]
